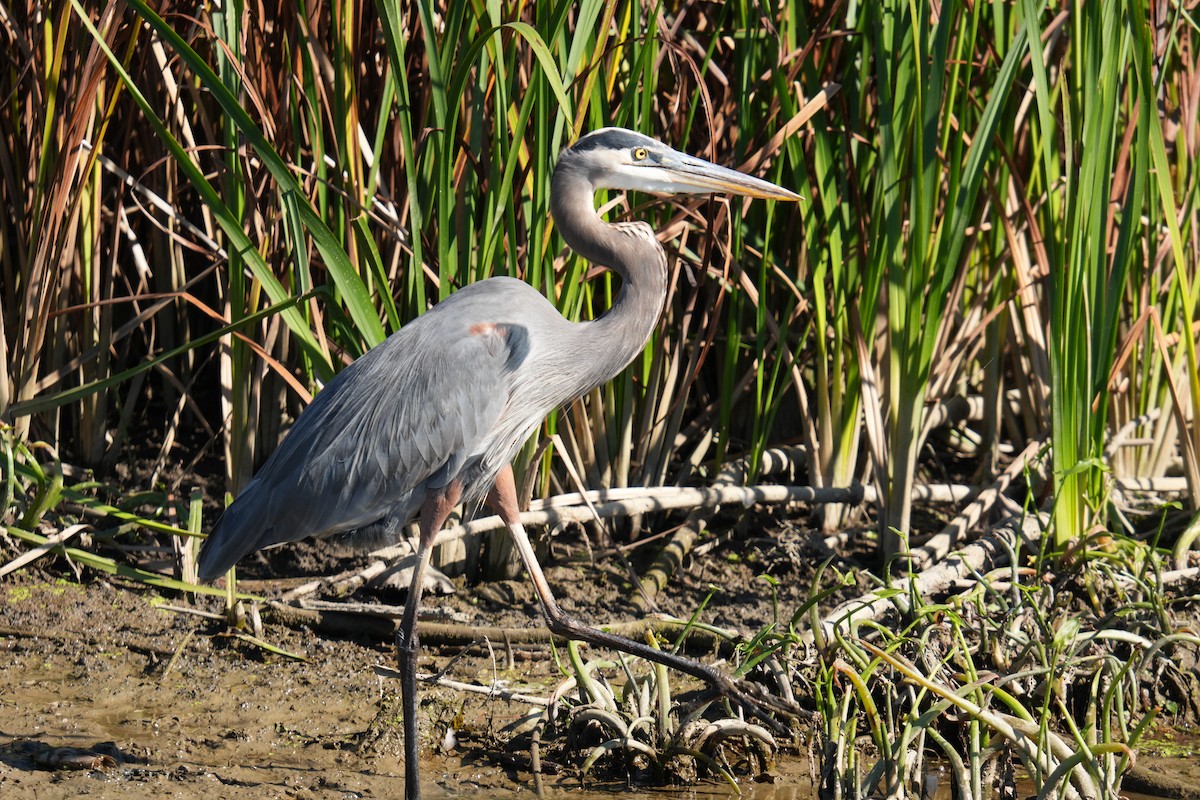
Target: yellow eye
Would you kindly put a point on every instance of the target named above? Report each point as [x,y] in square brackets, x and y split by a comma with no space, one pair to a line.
[639,153]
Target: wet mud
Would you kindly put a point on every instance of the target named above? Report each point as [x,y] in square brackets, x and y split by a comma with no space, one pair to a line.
[108,693]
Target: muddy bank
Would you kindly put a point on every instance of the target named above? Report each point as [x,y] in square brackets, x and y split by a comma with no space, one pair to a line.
[105,693]
[98,668]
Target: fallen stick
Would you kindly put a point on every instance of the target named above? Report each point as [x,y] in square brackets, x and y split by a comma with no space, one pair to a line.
[1165,485]
[585,507]
[52,541]
[496,690]
[704,502]
[684,539]
[354,623]
[940,544]
[988,552]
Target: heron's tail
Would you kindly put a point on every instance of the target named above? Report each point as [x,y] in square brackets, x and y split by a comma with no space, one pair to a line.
[234,536]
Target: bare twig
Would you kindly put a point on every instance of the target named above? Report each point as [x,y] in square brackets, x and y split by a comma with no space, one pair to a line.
[989,551]
[495,690]
[52,541]
[953,534]
[702,637]
[704,503]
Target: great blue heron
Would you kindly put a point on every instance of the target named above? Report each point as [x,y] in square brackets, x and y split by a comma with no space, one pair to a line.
[433,416]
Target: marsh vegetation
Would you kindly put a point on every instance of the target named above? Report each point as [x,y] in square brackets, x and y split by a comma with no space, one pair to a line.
[920,453]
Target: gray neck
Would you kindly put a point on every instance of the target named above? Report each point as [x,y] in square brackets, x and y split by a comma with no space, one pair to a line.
[631,250]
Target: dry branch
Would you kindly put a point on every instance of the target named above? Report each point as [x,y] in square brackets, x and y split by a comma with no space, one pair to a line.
[355,623]
[990,551]
[704,503]
[956,532]
[52,541]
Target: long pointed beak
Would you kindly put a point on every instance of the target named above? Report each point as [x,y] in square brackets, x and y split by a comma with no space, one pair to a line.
[692,174]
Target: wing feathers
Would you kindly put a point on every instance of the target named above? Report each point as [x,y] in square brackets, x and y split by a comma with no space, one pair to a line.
[408,414]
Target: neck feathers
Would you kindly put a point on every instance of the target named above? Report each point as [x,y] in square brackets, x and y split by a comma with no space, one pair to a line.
[632,251]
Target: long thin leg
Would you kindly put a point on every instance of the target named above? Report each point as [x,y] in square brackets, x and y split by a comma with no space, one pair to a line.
[434,510]
[503,499]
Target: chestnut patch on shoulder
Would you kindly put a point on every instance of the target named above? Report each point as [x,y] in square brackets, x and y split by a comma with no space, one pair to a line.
[486,329]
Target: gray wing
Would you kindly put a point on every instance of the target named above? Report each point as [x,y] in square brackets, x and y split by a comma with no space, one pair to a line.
[404,417]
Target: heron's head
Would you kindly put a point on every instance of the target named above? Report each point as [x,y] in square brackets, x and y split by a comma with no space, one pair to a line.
[615,158]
